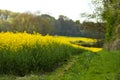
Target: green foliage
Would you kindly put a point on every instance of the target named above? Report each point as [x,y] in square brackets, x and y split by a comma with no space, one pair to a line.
[110,14]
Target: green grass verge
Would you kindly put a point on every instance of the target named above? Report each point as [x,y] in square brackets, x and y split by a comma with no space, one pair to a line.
[87,66]
[95,66]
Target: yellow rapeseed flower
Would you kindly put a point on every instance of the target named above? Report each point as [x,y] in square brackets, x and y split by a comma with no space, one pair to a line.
[17,40]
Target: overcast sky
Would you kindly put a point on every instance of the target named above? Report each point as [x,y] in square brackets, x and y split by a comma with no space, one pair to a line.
[70,8]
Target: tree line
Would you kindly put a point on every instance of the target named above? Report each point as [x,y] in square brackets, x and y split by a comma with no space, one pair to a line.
[46,24]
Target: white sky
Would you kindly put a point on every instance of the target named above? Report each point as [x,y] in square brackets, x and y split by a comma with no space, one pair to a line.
[70,8]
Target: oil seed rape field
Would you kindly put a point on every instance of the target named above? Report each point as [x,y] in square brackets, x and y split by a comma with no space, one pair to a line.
[69,39]
[22,53]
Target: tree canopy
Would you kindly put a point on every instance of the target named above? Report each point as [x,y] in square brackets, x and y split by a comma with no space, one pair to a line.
[111,16]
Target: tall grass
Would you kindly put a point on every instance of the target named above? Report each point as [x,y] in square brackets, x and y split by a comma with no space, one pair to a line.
[22,53]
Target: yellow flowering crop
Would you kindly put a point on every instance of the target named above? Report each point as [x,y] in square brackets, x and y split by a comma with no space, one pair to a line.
[24,53]
[16,40]
[68,39]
